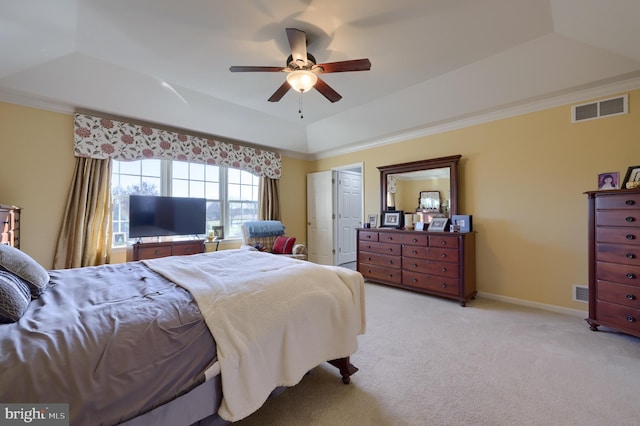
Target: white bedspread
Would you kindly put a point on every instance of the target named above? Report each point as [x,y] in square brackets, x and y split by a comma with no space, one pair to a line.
[273,318]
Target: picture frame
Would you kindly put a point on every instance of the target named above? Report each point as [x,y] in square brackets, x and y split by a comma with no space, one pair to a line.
[392,219]
[218,232]
[461,222]
[372,220]
[609,180]
[633,175]
[419,226]
[119,239]
[438,224]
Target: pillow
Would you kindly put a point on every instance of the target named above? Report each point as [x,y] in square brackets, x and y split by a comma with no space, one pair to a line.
[23,265]
[14,297]
[283,245]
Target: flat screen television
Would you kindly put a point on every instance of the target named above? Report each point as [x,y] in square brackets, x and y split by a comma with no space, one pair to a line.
[156,216]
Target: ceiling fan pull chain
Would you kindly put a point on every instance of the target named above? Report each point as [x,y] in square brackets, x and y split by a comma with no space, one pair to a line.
[300,106]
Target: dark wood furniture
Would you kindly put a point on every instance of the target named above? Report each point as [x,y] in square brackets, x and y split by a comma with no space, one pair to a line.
[438,263]
[614,265]
[10,225]
[141,251]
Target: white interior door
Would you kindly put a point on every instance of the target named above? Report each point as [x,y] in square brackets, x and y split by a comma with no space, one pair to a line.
[320,217]
[349,190]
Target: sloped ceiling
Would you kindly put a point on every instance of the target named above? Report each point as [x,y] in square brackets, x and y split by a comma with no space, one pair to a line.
[433,61]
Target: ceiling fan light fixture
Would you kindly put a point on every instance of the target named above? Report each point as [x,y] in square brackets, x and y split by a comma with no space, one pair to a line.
[302,80]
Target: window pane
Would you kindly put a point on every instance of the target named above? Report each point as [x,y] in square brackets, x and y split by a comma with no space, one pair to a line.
[180,188]
[196,189]
[130,167]
[233,192]
[212,173]
[233,175]
[214,216]
[212,191]
[196,171]
[151,167]
[180,170]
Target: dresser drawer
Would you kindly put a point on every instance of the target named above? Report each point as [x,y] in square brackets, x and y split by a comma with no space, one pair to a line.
[154,252]
[414,251]
[381,273]
[430,267]
[619,316]
[383,248]
[429,282]
[443,254]
[379,260]
[621,294]
[629,218]
[390,237]
[618,201]
[443,241]
[368,236]
[618,273]
[416,239]
[606,234]
[627,254]
[187,248]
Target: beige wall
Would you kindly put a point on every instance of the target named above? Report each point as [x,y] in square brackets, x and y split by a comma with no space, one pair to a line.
[36,152]
[522,179]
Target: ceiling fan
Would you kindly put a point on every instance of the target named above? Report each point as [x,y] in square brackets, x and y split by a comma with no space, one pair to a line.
[302,70]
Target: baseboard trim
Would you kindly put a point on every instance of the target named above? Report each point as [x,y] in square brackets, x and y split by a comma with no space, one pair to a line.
[552,308]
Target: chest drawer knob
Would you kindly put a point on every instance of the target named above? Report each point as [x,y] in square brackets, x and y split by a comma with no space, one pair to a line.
[631,319]
[414,252]
[415,280]
[390,262]
[444,269]
[443,285]
[629,202]
[629,236]
[443,242]
[443,255]
[629,219]
[415,240]
[415,265]
[630,255]
[631,276]
[631,297]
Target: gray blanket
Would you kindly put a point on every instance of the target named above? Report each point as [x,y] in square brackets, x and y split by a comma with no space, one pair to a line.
[113,341]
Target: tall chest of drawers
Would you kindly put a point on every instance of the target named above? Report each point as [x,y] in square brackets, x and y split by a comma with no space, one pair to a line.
[614,260]
[10,225]
[438,263]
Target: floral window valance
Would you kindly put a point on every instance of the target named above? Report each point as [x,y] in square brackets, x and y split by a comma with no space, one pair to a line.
[101,138]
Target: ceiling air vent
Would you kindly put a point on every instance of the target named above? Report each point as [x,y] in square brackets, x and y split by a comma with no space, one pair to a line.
[580,293]
[598,109]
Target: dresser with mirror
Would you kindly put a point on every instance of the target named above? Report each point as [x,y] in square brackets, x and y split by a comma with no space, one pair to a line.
[437,263]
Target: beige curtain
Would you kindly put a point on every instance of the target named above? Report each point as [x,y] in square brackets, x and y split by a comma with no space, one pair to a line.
[269,199]
[85,235]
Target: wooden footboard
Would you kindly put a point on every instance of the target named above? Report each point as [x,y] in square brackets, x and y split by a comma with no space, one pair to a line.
[346,368]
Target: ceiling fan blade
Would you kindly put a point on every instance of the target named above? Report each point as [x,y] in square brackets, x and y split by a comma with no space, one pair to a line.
[327,91]
[255,69]
[298,43]
[278,94]
[344,66]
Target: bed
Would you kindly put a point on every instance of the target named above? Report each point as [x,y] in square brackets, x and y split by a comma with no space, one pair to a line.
[178,339]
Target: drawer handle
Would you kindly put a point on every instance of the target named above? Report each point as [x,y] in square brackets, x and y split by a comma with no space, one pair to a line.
[415,240]
[629,219]
[390,262]
[414,252]
[390,248]
[629,202]
[414,265]
[443,255]
[631,297]
[156,251]
[368,247]
[443,270]
[631,319]
[415,280]
[630,255]
[443,285]
[629,236]
[443,242]
[630,276]
[368,258]
[390,275]
[369,236]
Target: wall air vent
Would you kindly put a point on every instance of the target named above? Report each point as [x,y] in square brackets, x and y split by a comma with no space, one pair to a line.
[581,293]
[599,109]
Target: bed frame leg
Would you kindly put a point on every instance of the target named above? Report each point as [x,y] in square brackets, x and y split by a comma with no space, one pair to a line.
[346,368]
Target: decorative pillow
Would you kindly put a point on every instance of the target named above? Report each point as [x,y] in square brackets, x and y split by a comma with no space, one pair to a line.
[24,266]
[283,245]
[259,247]
[14,297]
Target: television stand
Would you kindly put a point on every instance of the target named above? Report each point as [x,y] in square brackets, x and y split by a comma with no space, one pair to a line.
[142,251]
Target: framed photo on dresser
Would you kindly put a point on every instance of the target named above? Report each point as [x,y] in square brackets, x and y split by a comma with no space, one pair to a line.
[392,219]
[438,224]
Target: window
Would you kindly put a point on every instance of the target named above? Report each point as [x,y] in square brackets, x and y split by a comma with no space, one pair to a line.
[232,194]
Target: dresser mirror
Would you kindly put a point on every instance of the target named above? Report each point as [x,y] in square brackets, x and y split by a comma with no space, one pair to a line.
[399,184]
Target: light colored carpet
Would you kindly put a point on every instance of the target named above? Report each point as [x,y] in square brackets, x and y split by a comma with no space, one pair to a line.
[427,361]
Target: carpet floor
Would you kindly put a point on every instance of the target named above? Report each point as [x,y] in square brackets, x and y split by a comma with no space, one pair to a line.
[427,361]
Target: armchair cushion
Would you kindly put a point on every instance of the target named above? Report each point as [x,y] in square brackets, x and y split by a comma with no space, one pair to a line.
[264,233]
[283,245]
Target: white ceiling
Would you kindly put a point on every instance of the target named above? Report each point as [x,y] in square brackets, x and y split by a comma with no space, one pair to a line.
[433,61]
